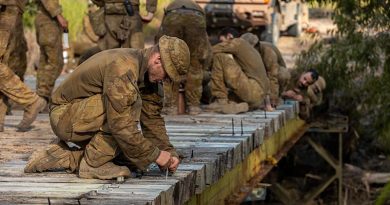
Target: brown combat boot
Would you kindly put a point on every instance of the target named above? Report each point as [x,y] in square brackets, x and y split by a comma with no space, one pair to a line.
[235,108]
[171,110]
[3,111]
[31,113]
[107,171]
[55,157]
[194,110]
[216,106]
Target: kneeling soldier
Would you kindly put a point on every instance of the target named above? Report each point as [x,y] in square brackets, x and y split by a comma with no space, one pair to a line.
[99,106]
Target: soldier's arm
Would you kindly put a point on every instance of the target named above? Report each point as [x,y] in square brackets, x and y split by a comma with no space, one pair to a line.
[54,9]
[229,46]
[153,124]
[122,105]
[151,6]
[270,60]
[52,6]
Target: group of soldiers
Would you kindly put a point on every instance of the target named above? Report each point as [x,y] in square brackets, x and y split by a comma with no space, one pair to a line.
[95,112]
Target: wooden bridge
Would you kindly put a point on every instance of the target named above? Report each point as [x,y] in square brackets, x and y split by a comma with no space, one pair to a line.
[224,156]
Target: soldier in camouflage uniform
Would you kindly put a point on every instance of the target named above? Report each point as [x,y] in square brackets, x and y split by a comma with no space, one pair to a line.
[275,66]
[312,98]
[238,66]
[11,20]
[186,20]
[123,29]
[297,89]
[49,24]
[315,91]
[114,91]
[10,84]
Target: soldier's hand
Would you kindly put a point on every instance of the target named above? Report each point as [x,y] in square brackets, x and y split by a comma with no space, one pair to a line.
[269,108]
[148,18]
[174,164]
[62,21]
[164,160]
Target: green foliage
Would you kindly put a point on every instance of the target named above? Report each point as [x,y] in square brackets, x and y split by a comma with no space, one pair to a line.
[356,64]
[384,197]
[29,15]
[74,11]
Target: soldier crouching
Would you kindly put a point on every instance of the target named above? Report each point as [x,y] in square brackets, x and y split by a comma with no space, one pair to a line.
[98,107]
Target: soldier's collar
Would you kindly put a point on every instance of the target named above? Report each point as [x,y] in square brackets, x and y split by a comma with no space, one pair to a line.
[143,58]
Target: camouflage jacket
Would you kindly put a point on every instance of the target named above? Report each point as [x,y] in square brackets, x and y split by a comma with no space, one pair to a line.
[248,58]
[51,8]
[151,5]
[129,99]
[19,3]
[273,60]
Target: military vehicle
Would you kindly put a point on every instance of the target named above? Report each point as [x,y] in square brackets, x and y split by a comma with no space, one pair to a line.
[266,18]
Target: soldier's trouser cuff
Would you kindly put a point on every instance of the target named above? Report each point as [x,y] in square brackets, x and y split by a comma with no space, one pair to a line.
[75,159]
[12,87]
[100,150]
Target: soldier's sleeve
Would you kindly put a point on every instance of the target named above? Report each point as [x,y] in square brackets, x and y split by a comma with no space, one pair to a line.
[123,106]
[151,6]
[153,124]
[229,46]
[52,6]
[271,64]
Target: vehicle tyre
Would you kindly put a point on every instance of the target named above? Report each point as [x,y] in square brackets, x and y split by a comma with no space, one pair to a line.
[273,31]
[296,29]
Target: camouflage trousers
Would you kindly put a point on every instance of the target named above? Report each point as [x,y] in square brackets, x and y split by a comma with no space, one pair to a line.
[83,123]
[278,82]
[49,36]
[227,75]
[283,78]
[122,31]
[190,27]
[13,88]
[13,46]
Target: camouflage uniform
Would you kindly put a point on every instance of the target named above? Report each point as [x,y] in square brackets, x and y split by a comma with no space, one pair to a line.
[238,66]
[186,20]
[49,36]
[101,112]
[274,65]
[13,88]
[13,46]
[10,84]
[304,105]
[315,92]
[276,68]
[122,30]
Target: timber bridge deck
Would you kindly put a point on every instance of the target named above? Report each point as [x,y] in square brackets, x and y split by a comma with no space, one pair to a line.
[223,154]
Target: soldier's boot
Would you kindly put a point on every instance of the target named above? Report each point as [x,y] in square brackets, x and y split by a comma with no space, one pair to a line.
[169,110]
[216,106]
[3,111]
[31,113]
[235,108]
[55,157]
[107,171]
[194,110]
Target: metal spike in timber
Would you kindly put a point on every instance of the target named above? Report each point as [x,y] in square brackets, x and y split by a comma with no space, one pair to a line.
[220,166]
